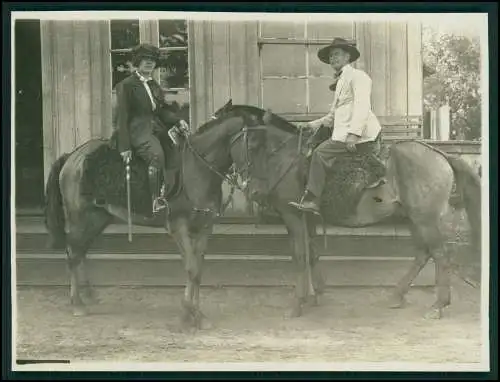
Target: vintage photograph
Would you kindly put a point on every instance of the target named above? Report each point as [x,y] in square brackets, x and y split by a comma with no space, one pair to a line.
[250,191]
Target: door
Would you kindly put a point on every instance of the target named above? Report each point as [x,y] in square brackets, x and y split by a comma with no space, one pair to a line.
[28,128]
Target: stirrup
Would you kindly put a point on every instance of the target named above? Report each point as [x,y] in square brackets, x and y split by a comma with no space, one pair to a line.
[159,204]
[377,183]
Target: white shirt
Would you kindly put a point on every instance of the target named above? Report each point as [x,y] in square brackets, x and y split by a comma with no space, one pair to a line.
[145,80]
[350,112]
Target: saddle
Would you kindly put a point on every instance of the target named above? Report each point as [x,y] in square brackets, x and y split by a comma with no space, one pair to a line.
[104,177]
[348,178]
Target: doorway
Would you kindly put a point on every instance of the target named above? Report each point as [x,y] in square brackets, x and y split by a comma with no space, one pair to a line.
[28,115]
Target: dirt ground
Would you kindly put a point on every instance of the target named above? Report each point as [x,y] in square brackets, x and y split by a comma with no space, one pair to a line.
[249,325]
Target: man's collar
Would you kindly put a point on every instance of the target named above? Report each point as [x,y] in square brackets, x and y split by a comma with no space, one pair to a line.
[345,69]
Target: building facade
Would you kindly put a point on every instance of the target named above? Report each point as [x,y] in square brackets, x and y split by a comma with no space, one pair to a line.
[251,62]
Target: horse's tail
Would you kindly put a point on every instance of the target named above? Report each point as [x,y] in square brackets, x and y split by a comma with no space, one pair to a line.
[54,213]
[469,188]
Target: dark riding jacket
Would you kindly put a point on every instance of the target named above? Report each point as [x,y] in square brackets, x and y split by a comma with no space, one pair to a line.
[135,118]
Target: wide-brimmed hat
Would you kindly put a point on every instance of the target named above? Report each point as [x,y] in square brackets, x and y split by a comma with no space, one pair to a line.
[338,42]
[146,51]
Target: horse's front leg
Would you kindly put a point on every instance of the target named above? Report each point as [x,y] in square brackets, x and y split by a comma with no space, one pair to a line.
[298,240]
[318,280]
[200,245]
[180,232]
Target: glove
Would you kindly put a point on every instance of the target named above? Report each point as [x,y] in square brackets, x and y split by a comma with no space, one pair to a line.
[184,127]
[126,155]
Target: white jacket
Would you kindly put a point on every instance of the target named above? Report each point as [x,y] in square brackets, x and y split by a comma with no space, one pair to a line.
[351,108]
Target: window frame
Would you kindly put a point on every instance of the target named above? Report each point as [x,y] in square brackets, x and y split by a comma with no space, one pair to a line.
[306,42]
[149,32]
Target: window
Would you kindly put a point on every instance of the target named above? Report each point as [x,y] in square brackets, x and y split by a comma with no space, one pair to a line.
[124,36]
[171,37]
[303,78]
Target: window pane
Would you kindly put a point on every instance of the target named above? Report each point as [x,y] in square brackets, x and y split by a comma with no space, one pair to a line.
[318,68]
[329,30]
[282,29]
[176,73]
[283,60]
[124,33]
[121,66]
[285,95]
[173,33]
[320,95]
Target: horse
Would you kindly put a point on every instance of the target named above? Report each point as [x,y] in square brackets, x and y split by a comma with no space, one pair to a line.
[416,183]
[86,191]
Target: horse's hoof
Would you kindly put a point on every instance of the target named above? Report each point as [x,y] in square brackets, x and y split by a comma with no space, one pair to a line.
[396,302]
[204,324]
[315,300]
[434,314]
[80,311]
[92,299]
[294,312]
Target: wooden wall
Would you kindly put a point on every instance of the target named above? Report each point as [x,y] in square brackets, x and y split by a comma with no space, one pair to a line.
[227,62]
[224,63]
[76,85]
[391,53]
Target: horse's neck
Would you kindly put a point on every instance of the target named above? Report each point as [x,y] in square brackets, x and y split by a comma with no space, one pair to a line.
[212,140]
[279,140]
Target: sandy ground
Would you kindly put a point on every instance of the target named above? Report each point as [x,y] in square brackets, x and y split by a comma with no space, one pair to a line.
[249,325]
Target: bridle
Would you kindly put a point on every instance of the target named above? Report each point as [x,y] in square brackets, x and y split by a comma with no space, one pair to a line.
[232,177]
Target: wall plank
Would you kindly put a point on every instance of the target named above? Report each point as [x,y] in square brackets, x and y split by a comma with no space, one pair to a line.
[220,39]
[198,73]
[252,64]
[415,68]
[76,85]
[379,64]
[398,73]
[82,85]
[237,58]
[50,123]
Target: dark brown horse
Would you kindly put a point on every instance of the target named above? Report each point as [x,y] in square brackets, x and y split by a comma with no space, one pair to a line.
[418,187]
[86,190]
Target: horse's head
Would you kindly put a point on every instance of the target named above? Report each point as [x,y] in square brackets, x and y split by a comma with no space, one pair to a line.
[246,145]
[252,146]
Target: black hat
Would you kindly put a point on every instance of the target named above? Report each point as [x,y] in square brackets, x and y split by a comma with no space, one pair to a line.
[146,51]
[338,42]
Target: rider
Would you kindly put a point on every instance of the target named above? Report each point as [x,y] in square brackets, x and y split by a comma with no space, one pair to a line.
[142,112]
[356,127]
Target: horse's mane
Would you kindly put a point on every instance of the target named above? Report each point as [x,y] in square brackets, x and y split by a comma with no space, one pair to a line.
[275,120]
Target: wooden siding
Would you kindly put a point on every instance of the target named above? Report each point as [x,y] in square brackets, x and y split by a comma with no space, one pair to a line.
[76,85]
[257,64]
[223,60]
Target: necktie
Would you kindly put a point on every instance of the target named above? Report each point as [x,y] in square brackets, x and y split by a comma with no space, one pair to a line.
[333,86]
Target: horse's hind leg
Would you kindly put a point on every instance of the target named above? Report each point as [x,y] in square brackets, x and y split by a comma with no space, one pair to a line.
[443,268]
[82,233]
[397,299]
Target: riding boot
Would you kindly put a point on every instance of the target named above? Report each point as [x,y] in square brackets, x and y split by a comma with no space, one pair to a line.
[309,202]
[158,200]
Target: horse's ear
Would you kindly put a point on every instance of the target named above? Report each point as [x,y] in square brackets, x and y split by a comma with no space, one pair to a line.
[267,116]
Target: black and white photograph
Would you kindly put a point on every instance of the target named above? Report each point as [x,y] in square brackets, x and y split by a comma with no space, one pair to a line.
[249,191]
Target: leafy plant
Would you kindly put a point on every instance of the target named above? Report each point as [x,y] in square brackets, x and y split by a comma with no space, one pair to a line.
[456,81]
